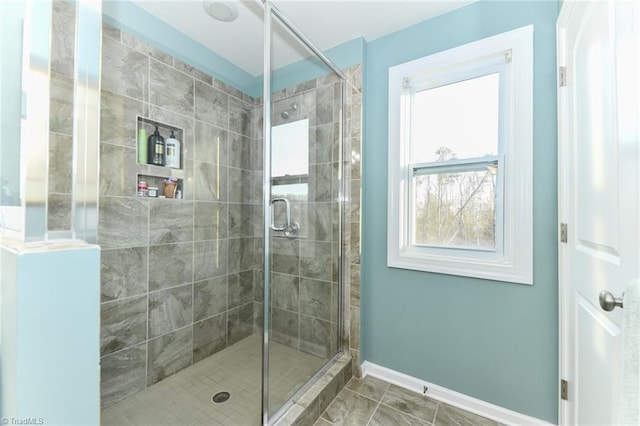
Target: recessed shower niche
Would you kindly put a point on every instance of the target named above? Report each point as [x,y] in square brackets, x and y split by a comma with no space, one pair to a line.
[152,179]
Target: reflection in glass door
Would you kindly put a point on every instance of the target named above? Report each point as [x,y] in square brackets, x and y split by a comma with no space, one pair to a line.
[305,225]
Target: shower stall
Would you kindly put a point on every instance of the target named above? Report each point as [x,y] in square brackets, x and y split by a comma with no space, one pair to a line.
[225,278]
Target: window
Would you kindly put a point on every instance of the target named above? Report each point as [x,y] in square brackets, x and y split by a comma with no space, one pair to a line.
[460,160]
[290,160]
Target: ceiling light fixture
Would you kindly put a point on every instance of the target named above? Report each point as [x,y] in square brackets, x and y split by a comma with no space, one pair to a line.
[224,11]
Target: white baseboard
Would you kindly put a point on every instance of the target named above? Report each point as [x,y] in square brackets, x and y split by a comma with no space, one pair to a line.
[448,396]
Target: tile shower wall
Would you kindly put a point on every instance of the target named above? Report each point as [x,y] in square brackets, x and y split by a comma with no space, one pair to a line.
[177,275]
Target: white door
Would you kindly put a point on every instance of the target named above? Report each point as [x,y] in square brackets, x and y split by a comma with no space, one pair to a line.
[599,193]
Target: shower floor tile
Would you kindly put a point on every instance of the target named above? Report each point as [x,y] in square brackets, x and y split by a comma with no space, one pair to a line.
[186,397]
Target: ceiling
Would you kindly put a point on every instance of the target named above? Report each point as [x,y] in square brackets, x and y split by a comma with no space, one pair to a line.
[327,23]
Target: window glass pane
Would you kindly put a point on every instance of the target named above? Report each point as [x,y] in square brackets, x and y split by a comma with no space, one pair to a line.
[292,191]
[456,209]
[290,149]
[459,120]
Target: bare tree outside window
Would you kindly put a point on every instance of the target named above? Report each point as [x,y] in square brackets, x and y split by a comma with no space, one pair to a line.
[455,209]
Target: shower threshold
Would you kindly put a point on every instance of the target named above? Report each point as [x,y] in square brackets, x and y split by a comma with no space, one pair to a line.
[185,398]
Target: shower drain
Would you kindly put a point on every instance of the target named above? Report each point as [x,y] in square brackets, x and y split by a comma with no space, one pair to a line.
[221,397]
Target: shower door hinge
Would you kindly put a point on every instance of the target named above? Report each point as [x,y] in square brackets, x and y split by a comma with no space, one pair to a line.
[564,390]
[563,232]
[562,76]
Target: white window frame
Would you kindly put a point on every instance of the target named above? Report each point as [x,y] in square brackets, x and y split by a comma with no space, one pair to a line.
[510,53]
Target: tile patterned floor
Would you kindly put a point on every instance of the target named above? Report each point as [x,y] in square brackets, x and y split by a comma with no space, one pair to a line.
[374,402]
[185,398]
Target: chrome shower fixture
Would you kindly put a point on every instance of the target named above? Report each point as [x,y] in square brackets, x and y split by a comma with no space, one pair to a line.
[285,113]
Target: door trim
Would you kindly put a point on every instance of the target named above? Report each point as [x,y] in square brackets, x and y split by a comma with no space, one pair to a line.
[564,307]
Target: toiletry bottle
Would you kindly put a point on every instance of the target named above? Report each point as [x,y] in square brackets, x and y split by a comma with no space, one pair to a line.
[172,156]
[156,149]
[142,145]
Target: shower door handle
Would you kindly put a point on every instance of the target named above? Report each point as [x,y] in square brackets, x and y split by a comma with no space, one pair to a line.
[290,227]
[287,214]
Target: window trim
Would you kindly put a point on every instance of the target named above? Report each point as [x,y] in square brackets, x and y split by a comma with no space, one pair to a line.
[513,261]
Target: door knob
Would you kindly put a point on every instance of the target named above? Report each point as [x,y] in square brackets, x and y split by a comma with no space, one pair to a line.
[608,302]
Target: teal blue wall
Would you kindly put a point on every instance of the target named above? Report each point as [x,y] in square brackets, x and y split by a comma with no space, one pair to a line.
[490,340]
[50,347]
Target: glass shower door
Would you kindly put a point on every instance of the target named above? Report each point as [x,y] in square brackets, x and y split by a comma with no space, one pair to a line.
[304,205]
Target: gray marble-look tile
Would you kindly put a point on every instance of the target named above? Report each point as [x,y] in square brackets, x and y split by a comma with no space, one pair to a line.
[355,196]
[123,272]
[325,104]
[354,324]
[170,265]
[210,182]
[355,287]
[355,242]
[111,32]
[316,260]
[285,291]
[241,155]
[240,288]
[61,105]
[118,119]
[242,220]
[65,9]
[452,416]
[320,182]
[320,221]
[258,317]
[122,374]
[117,170]
[211,105]
[209,336]
[210,221]
[240,188]
[320,147]
[239,117]
[284,327]
[220,85]
[60,155]
[123,323]
[209,298]
[170,309]
[192,71]
[284,255]
[170,88]
[62,43]
[169,354]
[240,254]
[411,403]
[240,323]
[211,144]
[142,47]
[59,212]
[170,221]
[322,422]
[315,298]
[309,415]
[386,415]
[369,386]
[349,408]
[210,259]
[315,336]
[124,71]
[123,222]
